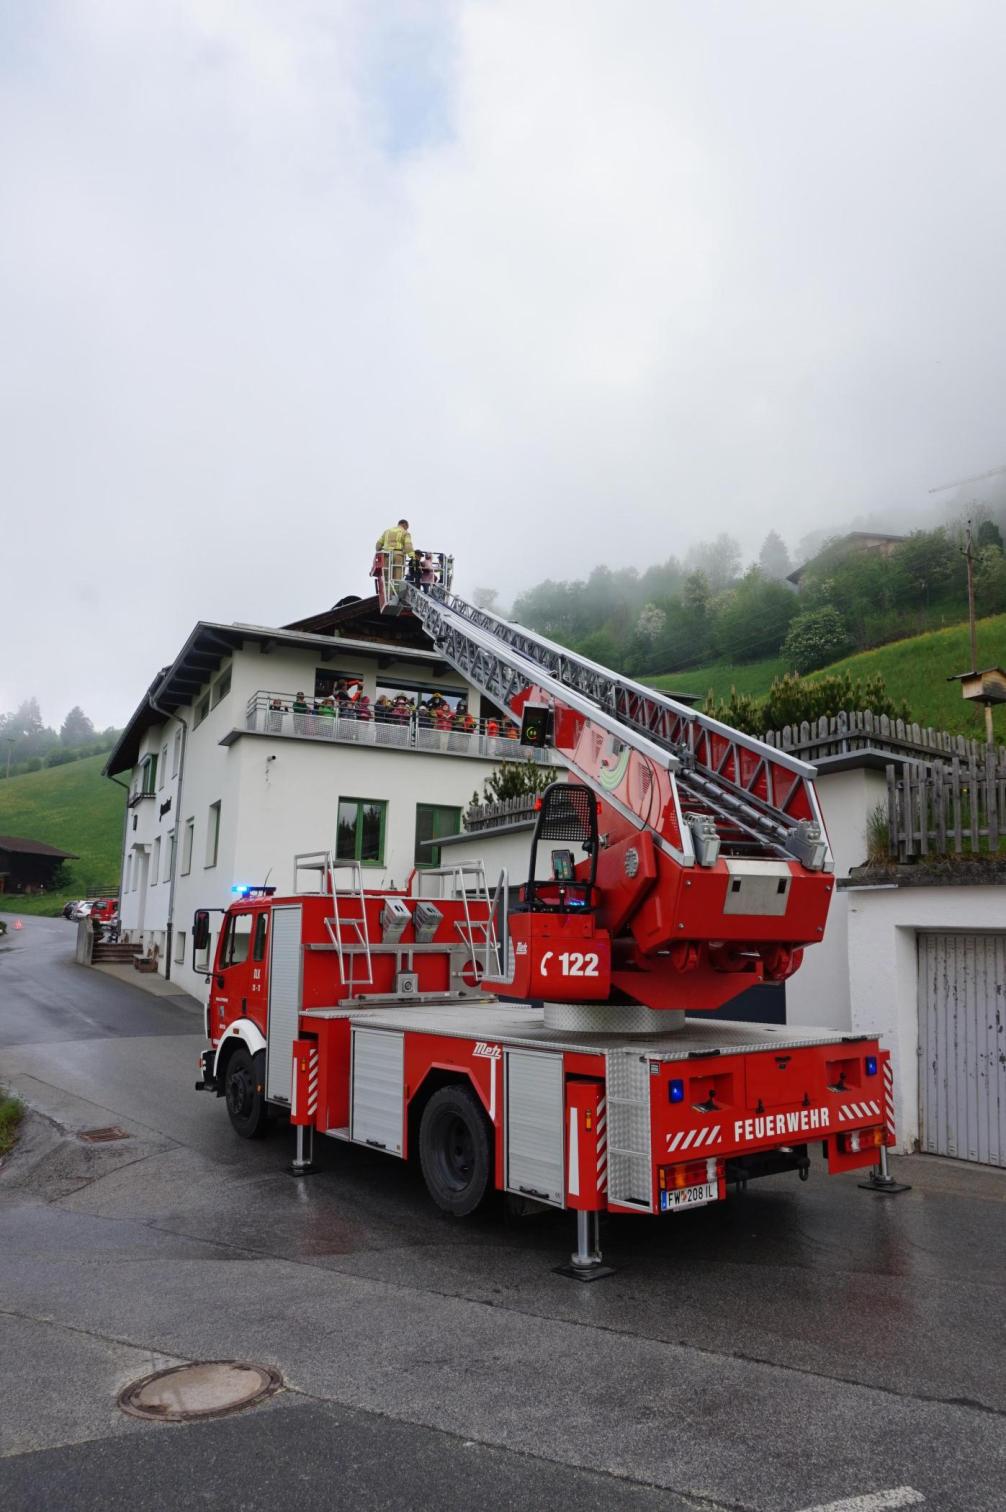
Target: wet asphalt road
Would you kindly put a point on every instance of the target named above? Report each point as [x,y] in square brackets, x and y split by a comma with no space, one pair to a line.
[786,1350]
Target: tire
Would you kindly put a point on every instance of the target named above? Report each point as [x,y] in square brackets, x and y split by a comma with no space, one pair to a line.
[244,1092]
[455,1150]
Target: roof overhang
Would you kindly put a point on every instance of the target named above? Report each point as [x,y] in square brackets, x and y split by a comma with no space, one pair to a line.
[205,650]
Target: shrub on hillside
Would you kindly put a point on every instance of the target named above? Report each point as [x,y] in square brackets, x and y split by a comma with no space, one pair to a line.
[791,701]
[815,638]
[741,711]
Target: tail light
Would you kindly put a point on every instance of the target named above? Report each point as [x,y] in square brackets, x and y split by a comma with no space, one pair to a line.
[693,1173]
[860,1139]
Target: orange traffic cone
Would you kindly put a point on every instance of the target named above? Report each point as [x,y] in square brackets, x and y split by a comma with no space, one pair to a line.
[18,924]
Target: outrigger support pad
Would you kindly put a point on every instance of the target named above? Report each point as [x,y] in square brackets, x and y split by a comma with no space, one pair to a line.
[585,1262]
[301,1165]
[881,1180]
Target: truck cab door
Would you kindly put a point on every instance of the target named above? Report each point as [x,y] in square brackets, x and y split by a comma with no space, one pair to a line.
[232,974]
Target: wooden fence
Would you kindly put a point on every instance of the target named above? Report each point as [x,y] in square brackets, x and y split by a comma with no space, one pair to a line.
[858,729]
[480,816]
[947,807]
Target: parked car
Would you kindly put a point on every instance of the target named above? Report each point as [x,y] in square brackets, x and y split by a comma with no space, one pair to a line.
[71,910]
[81,910]
[104,909]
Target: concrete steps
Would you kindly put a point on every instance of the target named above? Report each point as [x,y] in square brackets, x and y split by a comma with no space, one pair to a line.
[121,953]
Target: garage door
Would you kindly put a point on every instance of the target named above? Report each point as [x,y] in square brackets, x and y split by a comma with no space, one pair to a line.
[962,1046]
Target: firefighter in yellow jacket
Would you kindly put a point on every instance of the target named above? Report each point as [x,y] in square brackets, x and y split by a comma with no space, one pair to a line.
[397,542]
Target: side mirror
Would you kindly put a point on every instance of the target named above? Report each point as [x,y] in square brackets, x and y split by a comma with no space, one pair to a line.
[200,929]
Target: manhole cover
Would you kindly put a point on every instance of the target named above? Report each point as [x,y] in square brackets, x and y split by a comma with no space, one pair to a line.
[210,1388]
[103,1136]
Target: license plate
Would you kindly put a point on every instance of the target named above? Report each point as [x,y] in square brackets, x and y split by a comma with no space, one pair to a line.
[686,1197]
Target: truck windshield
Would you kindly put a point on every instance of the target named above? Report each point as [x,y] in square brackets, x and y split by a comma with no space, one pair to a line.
[237,936]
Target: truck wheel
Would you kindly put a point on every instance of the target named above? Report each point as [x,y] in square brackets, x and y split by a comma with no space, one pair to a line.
[244,1090]
[455,1150]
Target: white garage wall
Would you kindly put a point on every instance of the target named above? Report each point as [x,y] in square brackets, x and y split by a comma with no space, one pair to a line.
[883,970]
[818,995]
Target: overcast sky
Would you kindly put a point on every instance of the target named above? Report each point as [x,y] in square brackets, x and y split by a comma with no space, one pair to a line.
[564,281]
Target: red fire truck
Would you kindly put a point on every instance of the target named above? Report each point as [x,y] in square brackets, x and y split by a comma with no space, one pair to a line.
[548,1040]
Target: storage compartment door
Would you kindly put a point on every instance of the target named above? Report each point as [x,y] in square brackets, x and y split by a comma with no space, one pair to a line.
[378,1088]
[534,1125]
[285,961]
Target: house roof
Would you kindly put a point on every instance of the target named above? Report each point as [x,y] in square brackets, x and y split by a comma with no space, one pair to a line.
[850,539]
[362,616]
[211,642]
[17,845]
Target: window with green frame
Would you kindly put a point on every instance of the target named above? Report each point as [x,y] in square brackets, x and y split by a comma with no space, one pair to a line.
[149,774]
[433,820]
[360,830]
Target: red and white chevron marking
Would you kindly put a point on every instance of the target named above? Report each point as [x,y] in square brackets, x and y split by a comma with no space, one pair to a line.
[602,1145]
[312,1083]
[889,1099]
[857,1111]
[694,1139]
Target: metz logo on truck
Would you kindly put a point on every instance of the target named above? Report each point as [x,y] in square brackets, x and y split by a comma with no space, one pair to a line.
[490,1052]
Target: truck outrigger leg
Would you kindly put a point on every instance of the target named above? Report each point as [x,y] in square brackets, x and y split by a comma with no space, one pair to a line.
[881,1180]
[585,1262]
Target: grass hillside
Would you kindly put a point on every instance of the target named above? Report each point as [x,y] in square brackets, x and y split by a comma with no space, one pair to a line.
[74,808]
[747,677]
[915,670]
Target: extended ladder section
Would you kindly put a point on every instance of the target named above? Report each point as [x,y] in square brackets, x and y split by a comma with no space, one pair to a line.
[754,799]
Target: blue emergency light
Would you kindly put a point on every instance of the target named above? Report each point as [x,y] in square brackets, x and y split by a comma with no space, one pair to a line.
[675,1091]
[871,1065]
[241,889]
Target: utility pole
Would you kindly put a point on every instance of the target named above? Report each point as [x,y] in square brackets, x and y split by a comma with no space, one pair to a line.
[987,687]
[969,557]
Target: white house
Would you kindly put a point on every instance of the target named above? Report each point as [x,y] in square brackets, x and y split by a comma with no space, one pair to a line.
[230,774]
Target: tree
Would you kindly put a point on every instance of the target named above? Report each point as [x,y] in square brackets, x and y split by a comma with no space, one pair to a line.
[719,561]
[988,534]
[600,647]
[696,596]
[513,779]
[25,729]
[751,622]
[651,622]
[773,559]
[815,638]
[486,598]
[927,563]
[990,579]
[76,729]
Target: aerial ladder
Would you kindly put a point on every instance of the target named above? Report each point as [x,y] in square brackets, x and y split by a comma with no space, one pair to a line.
[707,867]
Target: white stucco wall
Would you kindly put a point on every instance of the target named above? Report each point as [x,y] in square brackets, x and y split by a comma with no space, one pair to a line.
[279,795]
[143,896]
[883,972]
[510,851]
[818,995]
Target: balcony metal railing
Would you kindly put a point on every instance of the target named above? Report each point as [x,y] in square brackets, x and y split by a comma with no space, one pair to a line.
[271,713]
